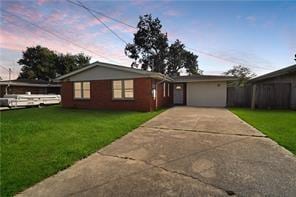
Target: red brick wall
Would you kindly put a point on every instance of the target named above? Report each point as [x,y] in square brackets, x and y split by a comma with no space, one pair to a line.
[101,96]
[166,101]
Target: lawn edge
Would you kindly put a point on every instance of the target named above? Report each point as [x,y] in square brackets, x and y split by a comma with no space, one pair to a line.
[267,136]
[162,110]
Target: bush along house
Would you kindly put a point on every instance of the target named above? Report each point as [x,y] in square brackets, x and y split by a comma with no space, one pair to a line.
[108,86]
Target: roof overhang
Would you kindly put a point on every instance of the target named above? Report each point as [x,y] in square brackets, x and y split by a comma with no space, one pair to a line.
[207,78]
[28,84]
[154,75]
[277,73]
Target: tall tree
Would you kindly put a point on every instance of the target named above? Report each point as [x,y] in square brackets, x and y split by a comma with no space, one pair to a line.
[150,45]
[241,72]
[41,63]
[178,58]
[150,49]
[38,63]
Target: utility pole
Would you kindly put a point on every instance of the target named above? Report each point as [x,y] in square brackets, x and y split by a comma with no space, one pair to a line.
[9,80]
[9,74]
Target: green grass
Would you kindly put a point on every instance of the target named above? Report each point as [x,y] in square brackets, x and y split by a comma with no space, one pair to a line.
[279,125]
[37,143]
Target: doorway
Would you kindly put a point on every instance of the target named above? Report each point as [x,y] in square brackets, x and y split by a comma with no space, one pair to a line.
[179,94]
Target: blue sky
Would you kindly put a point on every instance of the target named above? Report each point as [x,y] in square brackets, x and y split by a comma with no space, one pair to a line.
[260,35]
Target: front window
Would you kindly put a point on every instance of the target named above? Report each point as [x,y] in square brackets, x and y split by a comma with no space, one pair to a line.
[163,89]
[82,90]
[123,89]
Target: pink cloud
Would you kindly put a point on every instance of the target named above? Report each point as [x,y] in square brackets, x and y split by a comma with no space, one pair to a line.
[74,27]
[57,16]
[95,21]
[19,42]
[28,13]
[41,2]
[122,28]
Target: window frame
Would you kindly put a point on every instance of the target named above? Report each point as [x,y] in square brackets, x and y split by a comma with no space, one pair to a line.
[123,89]
[81,90]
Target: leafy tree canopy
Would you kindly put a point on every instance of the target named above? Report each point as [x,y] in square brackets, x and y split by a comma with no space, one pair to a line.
[150,45]
[38,63]
[151,50]
[44,64]
[241,72]
[178,58]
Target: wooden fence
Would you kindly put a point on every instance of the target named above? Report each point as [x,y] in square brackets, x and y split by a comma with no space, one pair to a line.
[268,96]
[273,95]
[239,96]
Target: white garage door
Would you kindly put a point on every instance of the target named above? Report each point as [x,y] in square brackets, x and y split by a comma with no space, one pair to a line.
[206,94]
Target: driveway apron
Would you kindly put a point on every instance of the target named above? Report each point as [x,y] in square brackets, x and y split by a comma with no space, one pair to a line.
[185,151]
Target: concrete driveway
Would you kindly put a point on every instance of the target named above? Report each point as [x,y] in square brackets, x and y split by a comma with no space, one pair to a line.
[184,151]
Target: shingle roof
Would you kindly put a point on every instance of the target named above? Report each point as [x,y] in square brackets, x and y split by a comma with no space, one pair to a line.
[195,78]
[118,67]
[283,71]
[156,75]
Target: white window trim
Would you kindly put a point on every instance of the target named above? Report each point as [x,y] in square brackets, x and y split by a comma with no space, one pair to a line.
[123,97]
[81,90]
[168,90]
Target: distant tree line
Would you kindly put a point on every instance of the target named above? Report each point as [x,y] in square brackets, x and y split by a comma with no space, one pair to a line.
[242,73]
[42,63]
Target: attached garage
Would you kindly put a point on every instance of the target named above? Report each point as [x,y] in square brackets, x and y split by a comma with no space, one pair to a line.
[206,94]
[202,90]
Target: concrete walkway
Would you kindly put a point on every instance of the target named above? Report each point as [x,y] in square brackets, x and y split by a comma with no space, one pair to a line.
[184,151]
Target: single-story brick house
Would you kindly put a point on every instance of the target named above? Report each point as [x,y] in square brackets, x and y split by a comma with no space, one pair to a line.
[108,86]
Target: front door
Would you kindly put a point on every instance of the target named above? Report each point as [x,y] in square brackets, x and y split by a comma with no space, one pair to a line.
[178,94]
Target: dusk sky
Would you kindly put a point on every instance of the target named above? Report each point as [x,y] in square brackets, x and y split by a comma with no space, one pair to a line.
[260,35]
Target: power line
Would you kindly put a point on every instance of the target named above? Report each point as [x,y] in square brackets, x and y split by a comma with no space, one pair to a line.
[131,26]
[102,14]
[224,59]
[128,25]
[89,11]
[4,68]
[9,70]
[54,34]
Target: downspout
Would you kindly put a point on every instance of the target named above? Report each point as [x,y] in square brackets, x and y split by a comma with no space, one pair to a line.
[156,91]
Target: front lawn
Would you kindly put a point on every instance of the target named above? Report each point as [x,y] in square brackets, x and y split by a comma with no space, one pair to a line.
[37,143]
[279,125]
